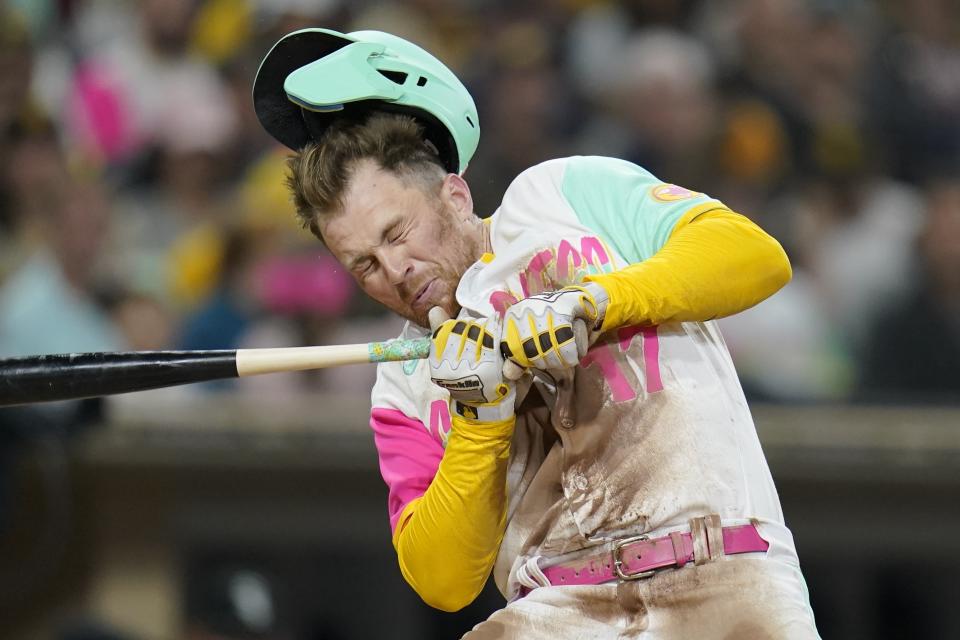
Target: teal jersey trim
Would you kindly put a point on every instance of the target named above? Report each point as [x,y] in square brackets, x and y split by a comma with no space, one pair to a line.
[626,205]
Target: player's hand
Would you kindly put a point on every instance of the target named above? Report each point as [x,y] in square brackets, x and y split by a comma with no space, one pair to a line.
[465,360]
[552,331]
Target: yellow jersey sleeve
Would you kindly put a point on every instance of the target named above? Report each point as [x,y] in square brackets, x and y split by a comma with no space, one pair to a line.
[714,264]
[447,540]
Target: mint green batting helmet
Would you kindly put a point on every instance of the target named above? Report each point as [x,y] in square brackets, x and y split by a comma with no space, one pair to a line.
[313,77]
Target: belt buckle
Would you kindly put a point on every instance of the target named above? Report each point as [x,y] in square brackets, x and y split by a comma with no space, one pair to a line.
[618,560]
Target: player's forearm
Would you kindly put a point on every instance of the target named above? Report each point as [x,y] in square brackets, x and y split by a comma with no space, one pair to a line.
[719,264]
[447,541]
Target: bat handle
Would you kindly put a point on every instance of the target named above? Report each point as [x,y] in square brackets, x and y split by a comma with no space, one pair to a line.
[394,350]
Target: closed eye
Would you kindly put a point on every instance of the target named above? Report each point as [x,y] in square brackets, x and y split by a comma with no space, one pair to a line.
[363,267]
[397,234]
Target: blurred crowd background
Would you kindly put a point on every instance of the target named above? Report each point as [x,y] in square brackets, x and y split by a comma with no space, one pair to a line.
[142,207]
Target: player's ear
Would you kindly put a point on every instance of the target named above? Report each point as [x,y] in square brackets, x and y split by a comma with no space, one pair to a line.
[456,192]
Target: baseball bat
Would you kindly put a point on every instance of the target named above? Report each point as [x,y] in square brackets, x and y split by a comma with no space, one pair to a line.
[30,379]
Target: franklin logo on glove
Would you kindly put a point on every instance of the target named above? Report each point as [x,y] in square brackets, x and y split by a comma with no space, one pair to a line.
[470,389]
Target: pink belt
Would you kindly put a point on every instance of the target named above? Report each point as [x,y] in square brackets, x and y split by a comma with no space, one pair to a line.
[639,557]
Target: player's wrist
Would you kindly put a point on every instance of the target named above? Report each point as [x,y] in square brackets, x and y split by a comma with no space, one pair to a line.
[487,412]
[594,304]
[612,315]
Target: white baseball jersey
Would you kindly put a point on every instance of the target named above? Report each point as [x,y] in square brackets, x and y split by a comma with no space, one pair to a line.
[664,432]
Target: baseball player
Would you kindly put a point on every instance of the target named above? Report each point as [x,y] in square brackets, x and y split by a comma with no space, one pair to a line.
[578,430]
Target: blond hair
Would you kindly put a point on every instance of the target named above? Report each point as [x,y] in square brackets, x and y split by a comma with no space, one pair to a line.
[318,174]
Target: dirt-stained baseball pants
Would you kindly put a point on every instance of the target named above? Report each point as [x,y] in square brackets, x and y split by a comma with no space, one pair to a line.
[748,597]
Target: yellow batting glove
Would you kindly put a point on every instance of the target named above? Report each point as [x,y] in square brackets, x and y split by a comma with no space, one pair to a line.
[465,360]
[541,332]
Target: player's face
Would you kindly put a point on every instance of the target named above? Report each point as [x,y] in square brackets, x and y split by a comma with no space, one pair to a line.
[406,245]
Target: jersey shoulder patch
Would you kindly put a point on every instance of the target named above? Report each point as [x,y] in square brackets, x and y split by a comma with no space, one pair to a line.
[666,192]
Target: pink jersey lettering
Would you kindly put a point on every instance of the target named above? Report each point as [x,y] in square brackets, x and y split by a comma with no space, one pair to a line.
[440,421]
[601,355]
[595,254]
[501,301]
[568,257]
[651,359]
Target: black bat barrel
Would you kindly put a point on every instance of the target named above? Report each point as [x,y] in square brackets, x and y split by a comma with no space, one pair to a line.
[85,375]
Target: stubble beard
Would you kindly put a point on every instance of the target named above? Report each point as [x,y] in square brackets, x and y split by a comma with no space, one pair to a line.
[465,249]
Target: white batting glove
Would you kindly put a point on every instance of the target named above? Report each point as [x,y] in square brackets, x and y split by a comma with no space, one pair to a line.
[551,331]
[465,360]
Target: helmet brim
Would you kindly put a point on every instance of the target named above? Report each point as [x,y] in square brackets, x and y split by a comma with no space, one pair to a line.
[280,117]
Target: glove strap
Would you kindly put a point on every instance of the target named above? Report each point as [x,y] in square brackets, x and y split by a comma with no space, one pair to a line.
[600,299]
[498,411]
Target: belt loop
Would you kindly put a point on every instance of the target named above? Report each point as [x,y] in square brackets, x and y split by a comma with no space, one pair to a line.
[679,552]
[530,575]
[714,536]
[698,536]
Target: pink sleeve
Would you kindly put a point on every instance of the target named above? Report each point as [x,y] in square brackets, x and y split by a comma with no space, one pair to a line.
[409,457]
